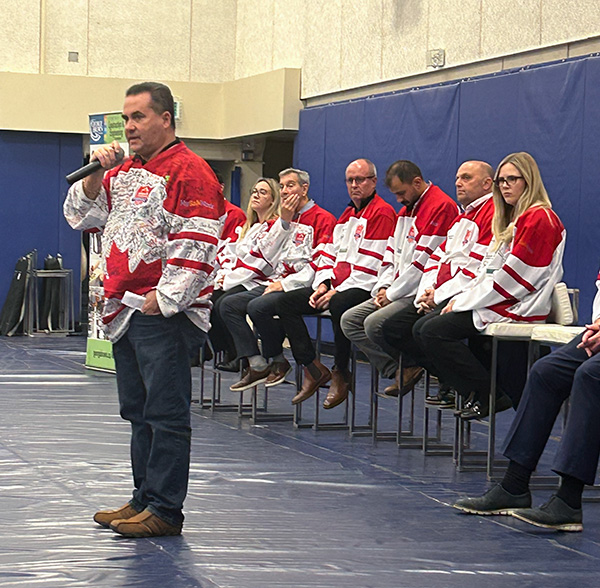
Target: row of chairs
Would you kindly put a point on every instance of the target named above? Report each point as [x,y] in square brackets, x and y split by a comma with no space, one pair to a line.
[430,440]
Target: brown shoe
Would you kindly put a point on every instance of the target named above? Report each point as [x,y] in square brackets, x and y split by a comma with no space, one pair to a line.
[106,517]
[279,370]
[410,378]
[338,391]
[251,378]
[310,385]
[144,524]
[393,389]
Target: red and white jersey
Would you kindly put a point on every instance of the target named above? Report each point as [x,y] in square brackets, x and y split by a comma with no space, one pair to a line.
[456,261]
[515,281]
[161,221]
[419,231]
[235,217]
[299,256]
[355,252]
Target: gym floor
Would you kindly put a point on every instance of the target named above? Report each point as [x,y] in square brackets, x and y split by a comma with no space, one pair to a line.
[269,505]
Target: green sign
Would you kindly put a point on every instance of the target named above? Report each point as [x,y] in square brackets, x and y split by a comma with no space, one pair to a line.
[99,355]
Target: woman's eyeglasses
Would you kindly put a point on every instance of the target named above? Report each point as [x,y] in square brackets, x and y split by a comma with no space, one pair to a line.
[508,180]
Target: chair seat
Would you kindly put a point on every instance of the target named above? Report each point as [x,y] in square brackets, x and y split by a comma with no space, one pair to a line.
[555,334]
[512,330]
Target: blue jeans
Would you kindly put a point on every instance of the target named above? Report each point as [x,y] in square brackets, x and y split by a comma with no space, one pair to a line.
[155,385]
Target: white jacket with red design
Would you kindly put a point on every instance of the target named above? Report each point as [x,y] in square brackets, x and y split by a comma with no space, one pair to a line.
[419,231]
[161,223]
[455,263]
[515,281]
[256,255]
[308,235]
[353,256]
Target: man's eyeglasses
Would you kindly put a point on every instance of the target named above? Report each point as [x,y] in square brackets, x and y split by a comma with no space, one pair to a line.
[508,180]
[261,191]
[358,180]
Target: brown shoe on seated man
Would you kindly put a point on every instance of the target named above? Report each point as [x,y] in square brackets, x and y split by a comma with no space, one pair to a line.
[315,375]
[410,378]
[338,391]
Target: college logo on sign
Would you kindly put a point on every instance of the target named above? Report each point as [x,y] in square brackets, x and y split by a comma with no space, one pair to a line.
[141,195]
[96,129]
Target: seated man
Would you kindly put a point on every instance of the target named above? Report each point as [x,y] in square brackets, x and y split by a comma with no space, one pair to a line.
[310,229]
[453,265]
[421,227]
[571,372]
[346,275]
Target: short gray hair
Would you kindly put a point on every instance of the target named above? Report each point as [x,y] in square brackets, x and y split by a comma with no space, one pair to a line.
[303,177]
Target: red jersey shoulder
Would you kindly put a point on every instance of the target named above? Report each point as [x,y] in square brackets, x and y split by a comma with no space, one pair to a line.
[539,215]
[192,187]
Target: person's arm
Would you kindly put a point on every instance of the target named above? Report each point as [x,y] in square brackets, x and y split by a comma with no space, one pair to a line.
[431,233]
[86,205]
[194,226]
[591,337]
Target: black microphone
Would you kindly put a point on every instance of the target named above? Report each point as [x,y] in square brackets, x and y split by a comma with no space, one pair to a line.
[90,168]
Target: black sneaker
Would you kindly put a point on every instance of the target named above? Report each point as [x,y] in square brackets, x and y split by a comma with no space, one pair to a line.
[555,514]
[479,409]
[496,501]
[443,399]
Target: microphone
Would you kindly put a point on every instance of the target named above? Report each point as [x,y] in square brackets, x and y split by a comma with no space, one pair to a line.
[90,168]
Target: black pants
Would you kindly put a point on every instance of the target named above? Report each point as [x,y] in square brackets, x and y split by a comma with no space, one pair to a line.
[451,348]
[219,335]
[294,304]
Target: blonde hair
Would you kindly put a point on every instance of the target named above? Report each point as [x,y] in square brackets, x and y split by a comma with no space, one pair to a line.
[273,212]
[534,194]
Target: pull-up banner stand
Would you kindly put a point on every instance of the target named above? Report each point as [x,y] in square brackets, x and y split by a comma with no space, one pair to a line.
[104,129]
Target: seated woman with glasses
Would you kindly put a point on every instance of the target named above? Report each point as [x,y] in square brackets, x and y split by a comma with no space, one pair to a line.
[515,284]
[243,267]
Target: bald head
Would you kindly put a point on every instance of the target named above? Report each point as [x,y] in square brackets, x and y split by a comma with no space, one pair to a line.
[473,180]
[361,179]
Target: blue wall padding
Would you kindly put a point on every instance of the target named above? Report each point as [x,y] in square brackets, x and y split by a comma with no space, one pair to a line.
[32,168]
[551,110]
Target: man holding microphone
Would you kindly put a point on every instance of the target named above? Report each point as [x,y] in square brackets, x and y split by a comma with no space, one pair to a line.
[160,214]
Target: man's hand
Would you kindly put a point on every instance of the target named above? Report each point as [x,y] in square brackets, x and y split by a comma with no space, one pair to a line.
[273,287]
[151,304]
[381,299]
[591,339]
[448,307]
[289,206]
[107,155]
[426,302]
[320,297]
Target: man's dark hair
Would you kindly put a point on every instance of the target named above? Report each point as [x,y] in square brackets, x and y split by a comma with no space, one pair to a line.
[406,171]
[162,99]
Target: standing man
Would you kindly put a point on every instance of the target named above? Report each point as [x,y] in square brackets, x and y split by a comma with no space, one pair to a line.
[346,274]
[421,227]
[160,214]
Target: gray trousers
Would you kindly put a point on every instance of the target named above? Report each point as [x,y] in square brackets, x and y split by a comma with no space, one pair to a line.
[362,324]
